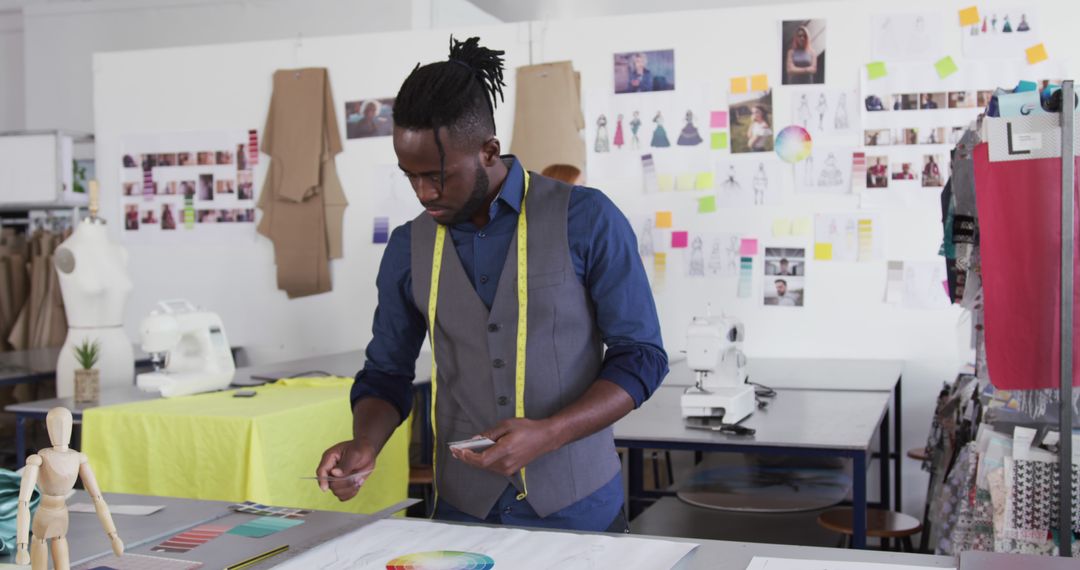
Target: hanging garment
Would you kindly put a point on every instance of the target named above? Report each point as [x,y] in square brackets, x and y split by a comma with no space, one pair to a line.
[302,200]
[547,116]
[1019,210]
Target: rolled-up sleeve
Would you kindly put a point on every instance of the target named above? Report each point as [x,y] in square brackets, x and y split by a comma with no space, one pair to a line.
[604,244]
[398,331]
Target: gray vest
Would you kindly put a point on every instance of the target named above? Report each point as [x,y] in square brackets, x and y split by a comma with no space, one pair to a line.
[475,351]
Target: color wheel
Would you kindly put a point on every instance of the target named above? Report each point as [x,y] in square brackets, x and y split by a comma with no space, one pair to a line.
[793,144]
[442,560]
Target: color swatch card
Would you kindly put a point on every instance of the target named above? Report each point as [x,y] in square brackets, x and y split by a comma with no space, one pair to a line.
[251,508]
[133,510]
[442,560]
[264,526]
[190,539]
[138,562]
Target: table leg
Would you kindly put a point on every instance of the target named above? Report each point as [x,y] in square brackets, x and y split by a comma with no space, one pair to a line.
[885,445]
[637,485]
[859,497]
[20,440]
[900,454]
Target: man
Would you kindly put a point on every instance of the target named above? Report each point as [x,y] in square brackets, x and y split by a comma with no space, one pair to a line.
[782,298]
[640,77]
[785,267]
[553,463]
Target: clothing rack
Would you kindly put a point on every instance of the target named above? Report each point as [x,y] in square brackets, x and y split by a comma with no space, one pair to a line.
[1068,231]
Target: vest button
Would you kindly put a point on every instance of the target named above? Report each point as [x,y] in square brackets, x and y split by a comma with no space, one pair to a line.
[503,400]
[498,363]
[483,278]
[493,327]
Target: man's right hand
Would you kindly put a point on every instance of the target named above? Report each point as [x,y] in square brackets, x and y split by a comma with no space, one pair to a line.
[344,459]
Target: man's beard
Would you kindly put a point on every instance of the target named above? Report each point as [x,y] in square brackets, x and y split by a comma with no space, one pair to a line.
[476,198]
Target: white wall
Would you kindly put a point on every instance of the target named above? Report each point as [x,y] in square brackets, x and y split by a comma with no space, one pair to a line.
[11,71]
[60,37]
[846,318]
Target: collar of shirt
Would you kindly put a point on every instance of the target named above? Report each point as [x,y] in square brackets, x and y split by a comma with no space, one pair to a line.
[511,193]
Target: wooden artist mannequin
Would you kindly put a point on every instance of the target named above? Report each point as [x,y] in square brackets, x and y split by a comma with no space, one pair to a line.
[56,469]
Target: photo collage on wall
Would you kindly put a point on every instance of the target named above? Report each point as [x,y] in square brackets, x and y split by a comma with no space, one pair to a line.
[186,182]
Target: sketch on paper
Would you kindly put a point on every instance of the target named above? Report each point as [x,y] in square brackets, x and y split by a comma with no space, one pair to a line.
[824,110]
[747,182]
[712,255]
[827,170]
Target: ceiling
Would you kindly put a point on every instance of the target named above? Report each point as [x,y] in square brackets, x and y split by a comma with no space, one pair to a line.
[524,10]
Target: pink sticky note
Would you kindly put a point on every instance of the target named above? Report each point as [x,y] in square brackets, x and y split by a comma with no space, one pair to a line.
[748,247]
[679,239]
[718,120]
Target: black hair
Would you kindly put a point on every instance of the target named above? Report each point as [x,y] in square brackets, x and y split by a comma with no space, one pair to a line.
[459,94]
[780,281]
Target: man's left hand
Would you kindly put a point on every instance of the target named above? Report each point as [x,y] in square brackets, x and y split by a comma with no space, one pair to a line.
[518,442]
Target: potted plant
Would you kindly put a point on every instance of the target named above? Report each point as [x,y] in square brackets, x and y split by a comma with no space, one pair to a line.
[88,378]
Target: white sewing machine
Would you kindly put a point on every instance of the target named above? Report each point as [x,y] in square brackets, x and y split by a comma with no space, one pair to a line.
[197,354]
[713,353]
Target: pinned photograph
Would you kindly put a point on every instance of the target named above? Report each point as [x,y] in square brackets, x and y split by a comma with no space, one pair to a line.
[187,188]
[168,218]
[750,117]
[184,159]
[149,217]
[802,43]
[245,185]
[785,270]
[129,188]
[903,171]
[644,71]
[877,137]
[961,99]
[983,98]
[931,172]
[205,158]
[909,136]
[906,102]
[206,216]
[369,118]
[224,157]
[930,101]
[131,217]
[206,186]
[170,188]
[225,187]
[877,172]
[241,157]
[166,159]
[874,103]
[246,215]
[129,161]
[932,136]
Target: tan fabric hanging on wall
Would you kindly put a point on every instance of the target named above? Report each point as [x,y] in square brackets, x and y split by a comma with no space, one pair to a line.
[302,200]
[547,116]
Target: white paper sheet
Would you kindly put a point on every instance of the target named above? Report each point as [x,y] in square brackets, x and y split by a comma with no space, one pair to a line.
[1003,32]
[132,510]
[712,254]
[906,37]
[924,285]
[852,237]
[371,547]
[827,170]
[822,110]
[767,563]
[747,181]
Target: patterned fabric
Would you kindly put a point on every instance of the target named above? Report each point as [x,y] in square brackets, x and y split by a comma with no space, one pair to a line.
[1035,498]
[953,498]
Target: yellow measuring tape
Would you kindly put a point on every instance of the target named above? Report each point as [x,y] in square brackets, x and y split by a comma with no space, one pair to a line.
[522,324]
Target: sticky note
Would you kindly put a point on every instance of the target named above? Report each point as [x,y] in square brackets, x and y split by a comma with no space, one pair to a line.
[706,205]
[876,70]
[679,239]
[684,182]
[718,120]
[659,259]
[1036,53]
[748,247]
[823,251]
[801,227]
[663,219]
[969,16]
[759,82]
[719,141]
[738,85]
[781,228]
[704,181]
[666,182]
[945,67]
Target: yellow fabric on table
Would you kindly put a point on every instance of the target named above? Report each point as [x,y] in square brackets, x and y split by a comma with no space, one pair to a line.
[217,447]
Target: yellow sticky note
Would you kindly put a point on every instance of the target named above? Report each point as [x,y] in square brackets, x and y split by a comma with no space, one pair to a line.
[719,140]
[969,16]
[876,70]
[659,259]
[738,85]
[759,82]
[704,181]
[666,182]
[823,251]
[1036,53]
[684,182]
[801,227]
[781,228]
[663,219]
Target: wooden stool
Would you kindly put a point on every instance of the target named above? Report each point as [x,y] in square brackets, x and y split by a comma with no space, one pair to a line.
[422,481]
[879,523]
[918,453]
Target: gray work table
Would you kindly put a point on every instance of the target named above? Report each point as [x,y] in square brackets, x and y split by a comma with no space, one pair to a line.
[37,364]
[974,560]
[815,423]
[87,539]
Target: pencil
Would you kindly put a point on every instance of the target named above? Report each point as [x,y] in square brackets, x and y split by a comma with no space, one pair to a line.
[259,558]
